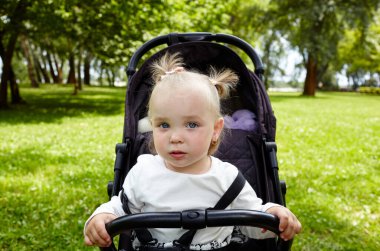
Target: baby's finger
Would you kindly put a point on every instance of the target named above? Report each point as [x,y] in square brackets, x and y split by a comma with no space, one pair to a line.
[87,241]
[102,242]
[291,229]
[298,226]
[103,238]
[103,234]
[288,233]
[284,221]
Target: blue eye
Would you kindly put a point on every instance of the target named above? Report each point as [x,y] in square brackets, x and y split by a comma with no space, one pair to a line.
[164,125]
[192,125]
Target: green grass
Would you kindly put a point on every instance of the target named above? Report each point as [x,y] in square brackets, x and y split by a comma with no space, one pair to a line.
[328,152]
[56,157]
[57,154]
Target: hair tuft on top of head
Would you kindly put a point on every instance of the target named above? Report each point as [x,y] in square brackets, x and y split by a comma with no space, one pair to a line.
[167,63]
[224,80]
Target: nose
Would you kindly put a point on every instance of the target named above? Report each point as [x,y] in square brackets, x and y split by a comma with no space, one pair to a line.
[176,137]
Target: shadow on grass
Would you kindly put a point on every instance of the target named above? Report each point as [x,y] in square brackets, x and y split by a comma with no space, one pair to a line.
[51,104]
[33,159]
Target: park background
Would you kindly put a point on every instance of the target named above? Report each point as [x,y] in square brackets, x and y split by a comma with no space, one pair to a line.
[63,89]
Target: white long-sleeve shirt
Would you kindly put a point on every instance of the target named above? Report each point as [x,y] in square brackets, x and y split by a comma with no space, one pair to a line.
[151,187]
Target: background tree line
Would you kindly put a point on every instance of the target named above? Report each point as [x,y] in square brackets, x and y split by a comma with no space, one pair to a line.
[71,41]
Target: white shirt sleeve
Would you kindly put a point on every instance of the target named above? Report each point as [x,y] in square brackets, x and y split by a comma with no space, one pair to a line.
[247,199]
[113,206]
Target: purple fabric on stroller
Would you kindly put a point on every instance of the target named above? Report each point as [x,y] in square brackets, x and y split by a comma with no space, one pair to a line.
[241,119]
[242,149]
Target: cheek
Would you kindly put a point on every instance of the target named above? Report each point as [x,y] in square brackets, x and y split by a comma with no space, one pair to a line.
[158,138]
[202,138]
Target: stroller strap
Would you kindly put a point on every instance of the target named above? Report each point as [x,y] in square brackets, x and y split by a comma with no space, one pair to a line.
[227,198]
[145,237]
[142,234]
[232,192]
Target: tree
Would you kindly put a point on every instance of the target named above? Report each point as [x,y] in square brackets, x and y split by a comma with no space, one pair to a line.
[10,28]
[359,55]
[30,60]
[250,22]
[315,28]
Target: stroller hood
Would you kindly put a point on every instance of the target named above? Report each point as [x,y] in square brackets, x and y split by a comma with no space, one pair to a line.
[199,56]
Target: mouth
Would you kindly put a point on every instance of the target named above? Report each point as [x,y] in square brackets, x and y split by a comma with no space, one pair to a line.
[177,154]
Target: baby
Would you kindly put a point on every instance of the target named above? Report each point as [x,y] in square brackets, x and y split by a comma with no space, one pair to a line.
[184,111]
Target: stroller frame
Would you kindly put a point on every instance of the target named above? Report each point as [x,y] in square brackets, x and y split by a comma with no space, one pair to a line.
[196,219]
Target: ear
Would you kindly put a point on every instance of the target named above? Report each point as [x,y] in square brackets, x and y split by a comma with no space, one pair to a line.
[218,127]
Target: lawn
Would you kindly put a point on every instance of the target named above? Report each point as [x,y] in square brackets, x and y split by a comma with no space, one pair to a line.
[329,156]
[57,154]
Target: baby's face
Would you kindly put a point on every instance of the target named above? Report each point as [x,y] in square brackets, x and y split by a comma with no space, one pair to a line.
[183,127]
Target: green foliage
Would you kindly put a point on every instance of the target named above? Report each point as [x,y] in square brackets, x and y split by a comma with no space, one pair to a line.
[113,30]
[369,90]
[365,50]
[57,155]
[251,22]
[315,28]
[205,15]
[338,34]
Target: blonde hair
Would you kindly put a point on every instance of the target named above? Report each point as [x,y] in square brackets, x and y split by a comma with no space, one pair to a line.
[170,69]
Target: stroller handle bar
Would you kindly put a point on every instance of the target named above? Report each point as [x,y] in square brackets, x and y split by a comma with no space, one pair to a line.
[194,219]
[173,38]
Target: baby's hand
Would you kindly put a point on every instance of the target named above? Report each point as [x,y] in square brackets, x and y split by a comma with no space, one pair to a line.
[289,224]
[96,233]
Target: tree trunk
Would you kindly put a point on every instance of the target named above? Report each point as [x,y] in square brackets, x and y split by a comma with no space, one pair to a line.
[87,62]
[15,93]
[110,77]
[101,74]
[267,58]
[59,69]
[266,62]
[311,79]
[29,59]
[13,26]
[71,77]
[45,71]
[79,75]
[42,68]
[5,77]
[52,70]
[37,68]
[4,88]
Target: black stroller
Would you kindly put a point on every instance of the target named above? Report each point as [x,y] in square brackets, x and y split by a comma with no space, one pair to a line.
[253,152]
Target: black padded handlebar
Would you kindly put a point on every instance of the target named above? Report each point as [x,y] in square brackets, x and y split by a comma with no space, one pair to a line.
[197,36]
[192,219]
